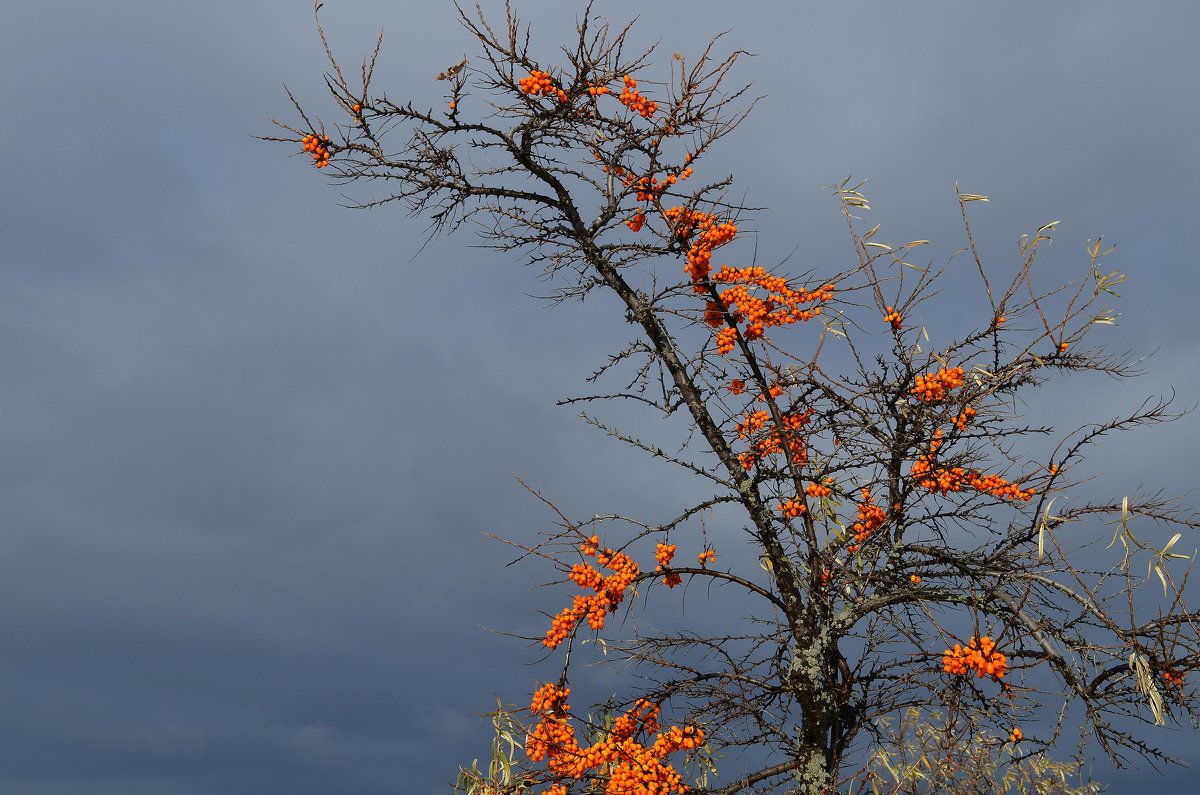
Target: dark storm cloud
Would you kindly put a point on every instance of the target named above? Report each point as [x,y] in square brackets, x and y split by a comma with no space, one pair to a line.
[251,438]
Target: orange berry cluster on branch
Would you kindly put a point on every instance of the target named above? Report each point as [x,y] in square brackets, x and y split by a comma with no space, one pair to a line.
[943,480]
[646,189]
[319,147]
[753,422]
[932,387]
[774,390]
[550,699]
[707,556]
[631,98]
[818,490]
[608,592]
[663,554]
[708,234]
[618,762]
[782,305]
[540,84]
[979,657]
[870,518]
[965,417]
[650,189]
[792,507]
[893,317]
[1171,678]
[773,442]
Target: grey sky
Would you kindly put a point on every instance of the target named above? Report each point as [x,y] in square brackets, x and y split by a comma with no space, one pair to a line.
[250,445]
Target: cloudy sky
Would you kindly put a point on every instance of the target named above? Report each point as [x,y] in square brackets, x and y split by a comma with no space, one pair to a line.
[251,440]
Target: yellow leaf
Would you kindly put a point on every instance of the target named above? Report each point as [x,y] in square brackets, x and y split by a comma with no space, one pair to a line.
[1042,529]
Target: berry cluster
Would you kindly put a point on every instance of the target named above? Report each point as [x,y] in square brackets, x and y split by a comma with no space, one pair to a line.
[791,508]
[646,189]
[663,554]
[1171,678]
[893,317]
[540,84]
[932,387]
[870,518]
[707,556]
[979,656]
[781,306]
[631,98]
[319,148]
[950,479]
[708,234]
[772,441]
[752,422]
[608,592]
[550,699]
[618,763]
[818,490]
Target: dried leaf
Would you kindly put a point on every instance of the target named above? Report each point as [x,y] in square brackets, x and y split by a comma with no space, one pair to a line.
[1158,570]
[1042,530]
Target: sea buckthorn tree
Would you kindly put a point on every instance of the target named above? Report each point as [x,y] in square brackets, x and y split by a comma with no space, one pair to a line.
[914,546]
